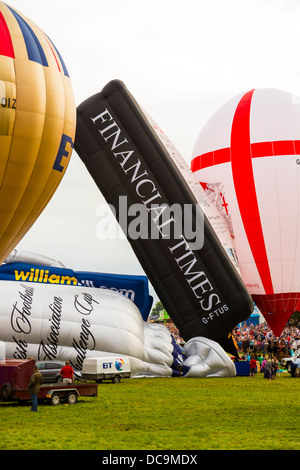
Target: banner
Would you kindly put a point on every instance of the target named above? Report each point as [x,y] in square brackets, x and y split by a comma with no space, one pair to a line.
[134,288]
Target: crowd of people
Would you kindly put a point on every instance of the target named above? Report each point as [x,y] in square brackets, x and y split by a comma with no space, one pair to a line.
[259,339]
[174,331]
[258,343]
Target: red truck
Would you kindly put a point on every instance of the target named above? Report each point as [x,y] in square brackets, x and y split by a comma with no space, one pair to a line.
[14,378]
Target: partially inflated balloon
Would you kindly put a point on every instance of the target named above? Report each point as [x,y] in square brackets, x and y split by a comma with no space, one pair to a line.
[60,322]
[249,154]
[37,124]
[172,237]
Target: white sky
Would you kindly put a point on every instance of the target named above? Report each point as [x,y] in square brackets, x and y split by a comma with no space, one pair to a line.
[181,61]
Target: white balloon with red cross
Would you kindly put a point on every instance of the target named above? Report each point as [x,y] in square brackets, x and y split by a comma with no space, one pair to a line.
[248,154]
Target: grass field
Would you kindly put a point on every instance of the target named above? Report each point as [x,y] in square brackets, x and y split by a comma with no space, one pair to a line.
[164,414]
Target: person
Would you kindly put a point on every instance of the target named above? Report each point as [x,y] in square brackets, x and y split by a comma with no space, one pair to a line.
[260,360]
[274,368]
[34,385]
[252,367]
[267,370]
[293,369]
[263,364]
[67,373]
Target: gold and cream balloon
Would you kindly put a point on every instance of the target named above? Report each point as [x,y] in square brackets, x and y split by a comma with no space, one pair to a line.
[37,124]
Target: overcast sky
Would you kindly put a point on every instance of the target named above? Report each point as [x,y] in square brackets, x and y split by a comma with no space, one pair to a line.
[181,61]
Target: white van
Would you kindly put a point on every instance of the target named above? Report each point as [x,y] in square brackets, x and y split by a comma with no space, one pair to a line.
[106,368]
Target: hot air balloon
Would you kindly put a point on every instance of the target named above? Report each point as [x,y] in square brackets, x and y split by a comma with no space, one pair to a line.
[37,124]
[195,280]
[249,154]
[59,322]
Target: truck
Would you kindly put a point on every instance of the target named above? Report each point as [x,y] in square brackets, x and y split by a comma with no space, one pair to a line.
[106,368]
[14,379]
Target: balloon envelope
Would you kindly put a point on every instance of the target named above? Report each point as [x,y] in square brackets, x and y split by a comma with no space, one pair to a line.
[74,322]
[249,153]
[61,322]
[37,124]
[195,280]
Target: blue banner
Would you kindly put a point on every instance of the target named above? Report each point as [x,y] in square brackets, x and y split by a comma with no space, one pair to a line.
[133,287]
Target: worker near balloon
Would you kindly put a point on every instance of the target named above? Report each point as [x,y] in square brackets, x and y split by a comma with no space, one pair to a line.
[255,253]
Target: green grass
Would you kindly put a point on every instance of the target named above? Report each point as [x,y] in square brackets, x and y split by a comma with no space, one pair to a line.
[164,414]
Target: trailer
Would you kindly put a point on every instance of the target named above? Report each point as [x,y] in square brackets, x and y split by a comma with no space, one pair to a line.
[15,376]
[106,368]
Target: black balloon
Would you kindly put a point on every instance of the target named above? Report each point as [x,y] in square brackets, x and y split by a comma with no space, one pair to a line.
[198,285]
